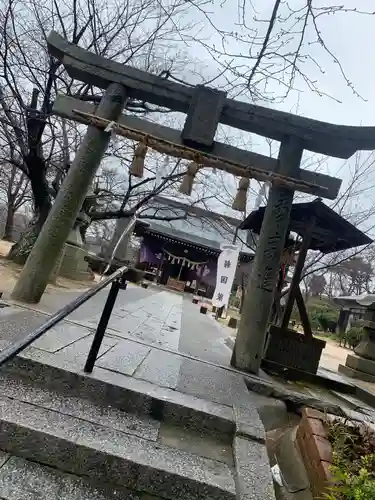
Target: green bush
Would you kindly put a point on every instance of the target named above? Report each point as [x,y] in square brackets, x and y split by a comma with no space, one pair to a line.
[353,337]
[353,461]
[350,486]
[323,313]
[324,318]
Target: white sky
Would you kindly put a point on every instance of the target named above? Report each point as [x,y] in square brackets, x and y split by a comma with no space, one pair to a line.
[350,36]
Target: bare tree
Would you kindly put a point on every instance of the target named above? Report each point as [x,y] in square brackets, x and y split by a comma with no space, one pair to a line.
[145,34]
[141,33]
[272,48]
[117,194]
[14,191]
[315,285]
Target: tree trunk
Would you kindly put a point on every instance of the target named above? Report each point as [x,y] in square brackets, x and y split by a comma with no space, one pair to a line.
[42,203]
[21,249]
[9,223]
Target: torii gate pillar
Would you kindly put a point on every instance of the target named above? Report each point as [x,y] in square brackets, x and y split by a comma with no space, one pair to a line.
[50,243]
[249,346]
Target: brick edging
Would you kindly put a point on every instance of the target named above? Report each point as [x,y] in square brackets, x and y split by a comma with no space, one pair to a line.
[315,449]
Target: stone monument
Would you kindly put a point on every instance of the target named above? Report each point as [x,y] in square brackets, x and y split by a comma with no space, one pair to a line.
[73,264]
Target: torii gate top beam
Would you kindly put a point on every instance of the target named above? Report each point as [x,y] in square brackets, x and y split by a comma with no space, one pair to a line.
[334,140]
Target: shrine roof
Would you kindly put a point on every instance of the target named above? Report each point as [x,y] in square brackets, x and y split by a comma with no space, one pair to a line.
[331,233]
[189,239]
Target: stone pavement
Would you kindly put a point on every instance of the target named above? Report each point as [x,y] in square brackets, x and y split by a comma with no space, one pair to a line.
[147,362]
[157,343]
[152,335]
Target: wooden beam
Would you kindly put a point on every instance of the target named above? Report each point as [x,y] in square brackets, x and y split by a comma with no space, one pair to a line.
[303,314]
[325,138]
[298,272]
[64,106]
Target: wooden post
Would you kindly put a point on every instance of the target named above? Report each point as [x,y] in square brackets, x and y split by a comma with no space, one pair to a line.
[297,273]
[42,259]
[303,314]
[249,345]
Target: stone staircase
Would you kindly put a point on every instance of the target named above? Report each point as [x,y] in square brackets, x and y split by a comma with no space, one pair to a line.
[66,435]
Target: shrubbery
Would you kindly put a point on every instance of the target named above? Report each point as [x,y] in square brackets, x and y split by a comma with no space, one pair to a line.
[353,337]
[323,315]
[353,464]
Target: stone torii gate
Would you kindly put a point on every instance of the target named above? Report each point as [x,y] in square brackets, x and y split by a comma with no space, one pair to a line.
[204,108]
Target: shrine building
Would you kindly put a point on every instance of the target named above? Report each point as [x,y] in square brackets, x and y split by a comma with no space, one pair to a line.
[182,254]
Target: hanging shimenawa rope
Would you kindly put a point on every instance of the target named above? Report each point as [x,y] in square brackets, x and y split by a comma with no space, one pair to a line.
[186,186]
[205,159]
[239,202]
[138,163]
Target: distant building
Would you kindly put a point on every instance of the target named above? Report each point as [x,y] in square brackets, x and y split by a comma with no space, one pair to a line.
[183,253]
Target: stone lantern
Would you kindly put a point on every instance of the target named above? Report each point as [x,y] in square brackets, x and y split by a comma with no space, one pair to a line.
[361,364]
[73,263]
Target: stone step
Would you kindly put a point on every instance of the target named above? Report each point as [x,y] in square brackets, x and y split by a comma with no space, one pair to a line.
[125,393]
[77,436]
[21,479]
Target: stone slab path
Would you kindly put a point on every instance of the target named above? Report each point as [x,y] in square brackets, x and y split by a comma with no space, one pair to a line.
[157,345]
[156,336]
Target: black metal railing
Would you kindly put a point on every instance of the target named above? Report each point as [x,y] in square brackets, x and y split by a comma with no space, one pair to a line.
[117,282]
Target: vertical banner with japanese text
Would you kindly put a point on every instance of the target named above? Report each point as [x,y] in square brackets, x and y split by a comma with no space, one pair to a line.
[226,270]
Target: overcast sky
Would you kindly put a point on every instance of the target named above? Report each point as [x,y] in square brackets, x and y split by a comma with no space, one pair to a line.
[349,36]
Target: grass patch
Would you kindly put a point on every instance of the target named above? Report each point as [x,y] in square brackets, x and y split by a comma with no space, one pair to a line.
[353,463]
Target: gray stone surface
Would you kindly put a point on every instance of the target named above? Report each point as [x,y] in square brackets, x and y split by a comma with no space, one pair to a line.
[253,474]
[212,383]
[248,423]
[84,448]
[123,392]
[51,302]
[15,323]
[4,457]
[78,351]
[336,377]
[251,335]
[361,364]
[124,357]
[55,231]
[155,319]
[24,480]
[353,373]
[73,264]
[202,337]
[160,368]
[190,459]
[176,407]
[272,412]
[291,463]
[77,406]
[208,444]
[61,336]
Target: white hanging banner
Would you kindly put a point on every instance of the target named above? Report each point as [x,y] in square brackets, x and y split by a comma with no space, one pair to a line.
[161,171]
[226,270]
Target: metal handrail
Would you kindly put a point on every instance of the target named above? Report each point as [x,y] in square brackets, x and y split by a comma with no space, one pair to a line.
[14,349]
